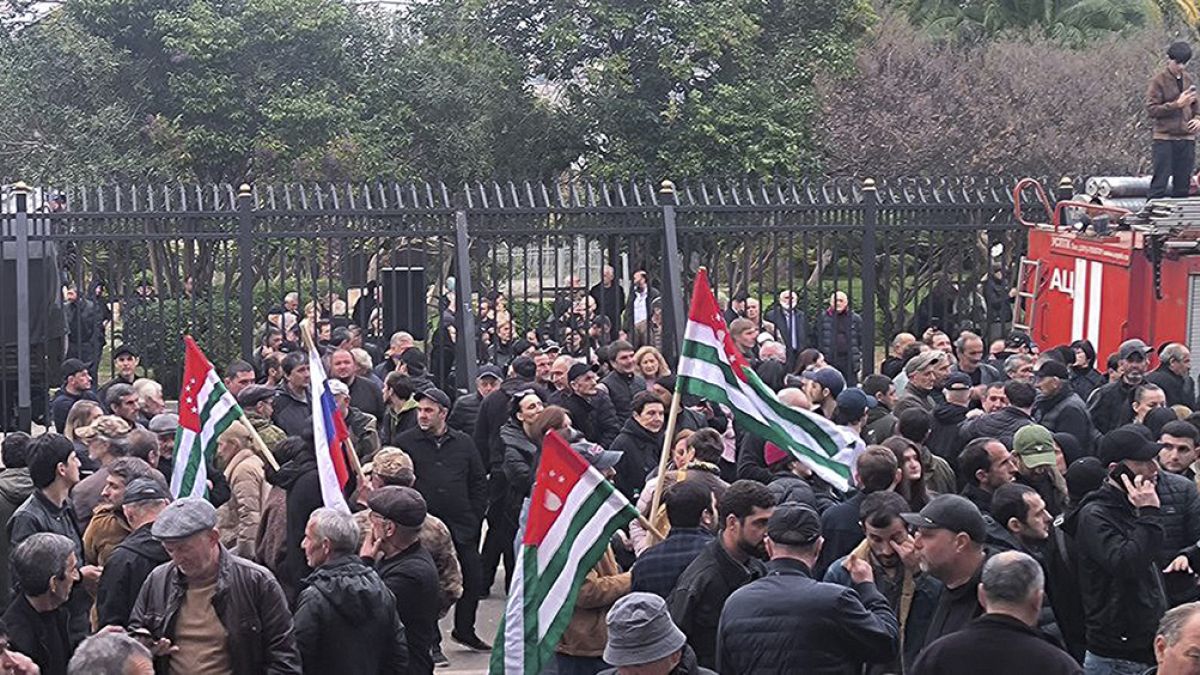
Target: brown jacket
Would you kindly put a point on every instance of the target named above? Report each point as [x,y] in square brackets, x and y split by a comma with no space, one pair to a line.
[1168,118]
[238,518]
[587,632]
[104,533]
[271,540]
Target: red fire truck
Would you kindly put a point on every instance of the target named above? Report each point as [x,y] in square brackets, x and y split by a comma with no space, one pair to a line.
[1107,268]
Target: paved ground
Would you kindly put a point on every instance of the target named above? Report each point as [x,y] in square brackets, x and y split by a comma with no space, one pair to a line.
[487,621]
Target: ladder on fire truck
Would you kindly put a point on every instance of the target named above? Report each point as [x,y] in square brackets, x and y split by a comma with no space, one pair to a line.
[1029,275]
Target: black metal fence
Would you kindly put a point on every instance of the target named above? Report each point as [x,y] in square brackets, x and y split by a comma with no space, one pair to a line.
[85,270]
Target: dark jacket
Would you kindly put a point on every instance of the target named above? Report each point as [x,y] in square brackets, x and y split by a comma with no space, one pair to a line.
[701,592]
[640,454]
[1111,406]
[982,499]
[1066,412]
[43,637]
[925,594]
[956,607]
[840,528]
[945,438]
[38,514]
[1001,425]
[788,487]
[15,488]
[1179,390]
[751,463]
[880,424]
[493,413]
[521,458]
[247,600]
[594,417]
[800,335]
[914,397]
[300,479]
[124,573]
[292,413]
[986,373]
[1086,380]
[1119,578]
[787,622]
[395,423]
[451,477]
[367,397]
[60,407]
[1179,514]
[657,570]
[995,644]
[621,389]
[845,355]
[465,413]
[346,621]
[412,577]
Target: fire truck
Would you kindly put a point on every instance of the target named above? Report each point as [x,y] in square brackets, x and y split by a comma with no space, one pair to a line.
[1109,265]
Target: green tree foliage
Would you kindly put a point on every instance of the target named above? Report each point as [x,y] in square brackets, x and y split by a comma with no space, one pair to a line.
[1073,22]
[232,90]
[670,88]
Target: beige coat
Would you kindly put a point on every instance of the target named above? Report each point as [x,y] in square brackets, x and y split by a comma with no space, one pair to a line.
[238,518]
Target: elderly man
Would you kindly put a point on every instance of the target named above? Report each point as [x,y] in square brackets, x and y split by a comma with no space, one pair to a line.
[150,400]
[39,622]
[401,342]
[610,298]
[969,349]
[465,412]
[1174,375]
[642,639]
[792,326]
[346,617]
[364,430]
[258,402]
[199,606]
[394,543]
[893,365]
[111,653]
[134,558]
[1005,639]
[1178,641]
[839,337]
[591,410]
[927,372]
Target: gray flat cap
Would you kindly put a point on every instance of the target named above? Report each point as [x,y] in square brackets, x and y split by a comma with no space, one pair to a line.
[183,518]
[164,423]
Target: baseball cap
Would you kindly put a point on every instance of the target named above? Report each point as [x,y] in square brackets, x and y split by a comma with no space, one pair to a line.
[827,377]
[1034,444]
[434,394]
[550,347]
[953,513]
[524,366]
[1126,443]
[794,524]
[1052,368]
[597,456]
[71,366]
[1018,339]
[853,402]
[1132,348]
[125,350]
[143,490]
[958,382]
[491,371]
[401,505]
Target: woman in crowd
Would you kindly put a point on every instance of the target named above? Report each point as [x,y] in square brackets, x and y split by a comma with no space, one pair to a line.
[82,414]
[912,479]
[651,365]
[238,518]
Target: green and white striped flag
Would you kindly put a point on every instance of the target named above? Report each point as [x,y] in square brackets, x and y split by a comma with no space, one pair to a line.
[206,409]
[573,513]
[710,366]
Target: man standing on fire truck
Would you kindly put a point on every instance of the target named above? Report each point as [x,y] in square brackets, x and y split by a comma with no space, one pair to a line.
[1174,112]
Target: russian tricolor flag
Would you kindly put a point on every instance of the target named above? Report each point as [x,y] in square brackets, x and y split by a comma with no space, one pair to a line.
[330,437]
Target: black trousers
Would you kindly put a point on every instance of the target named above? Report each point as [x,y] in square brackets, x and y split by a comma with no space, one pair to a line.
[467,550]
[1174,160]
[497,546]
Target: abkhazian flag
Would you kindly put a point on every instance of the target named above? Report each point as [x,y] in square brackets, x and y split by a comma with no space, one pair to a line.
[206,409]
[573,514]
[710,366]
[330,437]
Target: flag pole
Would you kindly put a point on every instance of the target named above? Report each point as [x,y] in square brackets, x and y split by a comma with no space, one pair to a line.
[258,441]
[668,437]
[307,338]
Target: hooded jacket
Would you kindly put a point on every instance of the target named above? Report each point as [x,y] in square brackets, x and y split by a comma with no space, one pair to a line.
[1119,579]
[411,576]
[1111,406]
[520,463]
[640,450]
[1066,412]
[346,621]
[15,488]
[944,438]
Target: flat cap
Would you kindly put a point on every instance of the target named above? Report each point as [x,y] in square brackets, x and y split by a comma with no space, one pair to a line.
[924,360]
[254,394]
[164,423]
[401,505]
[105,426]
[144,490]
[577,371]
[184,517]
[491,371]
[1053,368]
[794,524]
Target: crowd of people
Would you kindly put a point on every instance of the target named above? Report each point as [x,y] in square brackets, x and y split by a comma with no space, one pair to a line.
[1012,508]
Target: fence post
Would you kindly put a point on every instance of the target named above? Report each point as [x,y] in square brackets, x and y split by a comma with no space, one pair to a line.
[468,357]
[245,207]
[24,369]
[672,291]
[870,227]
